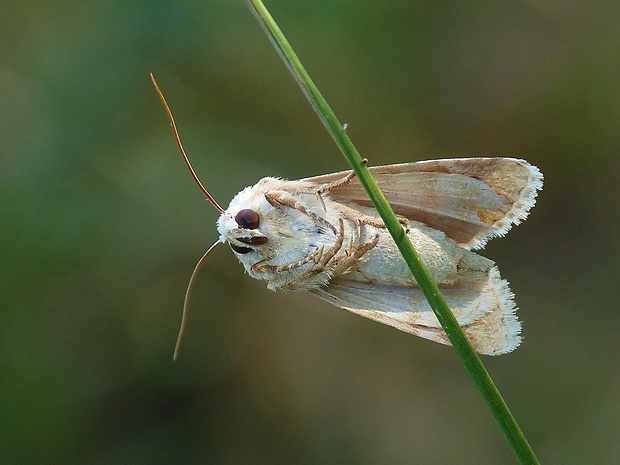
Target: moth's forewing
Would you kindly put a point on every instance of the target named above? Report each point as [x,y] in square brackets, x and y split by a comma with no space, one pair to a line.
[470,199]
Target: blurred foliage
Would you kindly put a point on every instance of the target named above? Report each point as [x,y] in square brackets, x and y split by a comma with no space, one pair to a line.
[101,226]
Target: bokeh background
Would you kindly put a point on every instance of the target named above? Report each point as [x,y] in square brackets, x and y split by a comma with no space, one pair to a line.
[100,227]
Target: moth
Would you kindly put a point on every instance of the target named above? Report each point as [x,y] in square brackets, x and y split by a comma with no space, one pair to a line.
[322,235]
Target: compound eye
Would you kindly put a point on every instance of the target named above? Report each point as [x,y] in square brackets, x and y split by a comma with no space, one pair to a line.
[247,219]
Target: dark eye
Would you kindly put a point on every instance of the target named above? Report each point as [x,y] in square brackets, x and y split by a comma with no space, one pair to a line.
[247,219]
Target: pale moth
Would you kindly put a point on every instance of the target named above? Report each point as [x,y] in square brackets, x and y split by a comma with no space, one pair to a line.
[322,235]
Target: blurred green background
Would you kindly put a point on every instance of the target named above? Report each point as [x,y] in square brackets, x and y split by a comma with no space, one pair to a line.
[100,227]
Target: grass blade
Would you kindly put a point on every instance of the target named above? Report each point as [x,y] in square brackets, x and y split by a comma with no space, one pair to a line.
[464,349]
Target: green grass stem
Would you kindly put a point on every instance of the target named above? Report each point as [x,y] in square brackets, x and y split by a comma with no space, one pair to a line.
[463,347]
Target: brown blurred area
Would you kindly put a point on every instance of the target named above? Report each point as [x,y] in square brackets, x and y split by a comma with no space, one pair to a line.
[100,227]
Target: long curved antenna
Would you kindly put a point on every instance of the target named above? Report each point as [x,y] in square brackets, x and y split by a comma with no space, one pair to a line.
[180,145]
[188,293]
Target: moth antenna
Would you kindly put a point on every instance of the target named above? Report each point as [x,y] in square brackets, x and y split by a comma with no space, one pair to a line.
[180,145]
[188,293]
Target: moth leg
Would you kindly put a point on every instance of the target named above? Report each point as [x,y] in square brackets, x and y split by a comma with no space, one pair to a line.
[327,187]
[356,251]
[359,252]
[325,258]
[314,256]
[339,182]
[378,222]
[313,270]
[321,258]
[286,200]
[333,250]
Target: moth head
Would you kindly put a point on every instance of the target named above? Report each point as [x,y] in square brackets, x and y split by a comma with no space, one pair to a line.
[247,225]
[242,230]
